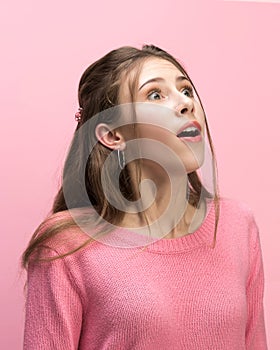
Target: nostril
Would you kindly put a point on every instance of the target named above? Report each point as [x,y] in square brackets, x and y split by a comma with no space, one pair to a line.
[184,110]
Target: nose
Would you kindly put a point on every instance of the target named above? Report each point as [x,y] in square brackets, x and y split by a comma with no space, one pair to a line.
[185,106]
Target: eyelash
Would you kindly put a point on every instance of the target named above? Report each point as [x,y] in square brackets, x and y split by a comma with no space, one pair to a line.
[153,91]
[188,88]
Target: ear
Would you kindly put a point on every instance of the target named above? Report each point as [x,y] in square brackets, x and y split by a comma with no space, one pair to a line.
[112,139]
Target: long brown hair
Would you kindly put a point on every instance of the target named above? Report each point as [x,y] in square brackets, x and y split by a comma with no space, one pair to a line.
[98,91]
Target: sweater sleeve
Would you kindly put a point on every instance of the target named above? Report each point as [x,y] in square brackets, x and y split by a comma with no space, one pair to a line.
[53,308]
[255,329]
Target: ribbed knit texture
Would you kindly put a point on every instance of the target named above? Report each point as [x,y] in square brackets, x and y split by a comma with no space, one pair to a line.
[176,294]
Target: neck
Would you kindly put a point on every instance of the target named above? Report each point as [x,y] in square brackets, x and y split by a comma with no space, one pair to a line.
[165,207]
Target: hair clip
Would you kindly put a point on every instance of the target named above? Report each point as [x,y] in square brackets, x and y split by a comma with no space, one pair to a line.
[78,115]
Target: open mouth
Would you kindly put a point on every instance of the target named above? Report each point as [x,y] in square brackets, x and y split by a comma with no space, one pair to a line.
[190,132]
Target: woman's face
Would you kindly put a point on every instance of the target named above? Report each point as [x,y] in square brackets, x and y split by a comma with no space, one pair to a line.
[168,111]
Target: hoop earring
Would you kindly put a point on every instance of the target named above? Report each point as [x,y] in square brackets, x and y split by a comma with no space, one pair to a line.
[121,158]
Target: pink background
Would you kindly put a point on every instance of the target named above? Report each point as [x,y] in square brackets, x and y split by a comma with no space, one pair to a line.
[231,50]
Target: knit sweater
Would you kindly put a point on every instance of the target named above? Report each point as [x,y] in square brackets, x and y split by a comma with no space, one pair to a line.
[176,294]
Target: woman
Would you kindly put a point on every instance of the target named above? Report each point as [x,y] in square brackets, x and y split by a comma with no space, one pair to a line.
[169,264]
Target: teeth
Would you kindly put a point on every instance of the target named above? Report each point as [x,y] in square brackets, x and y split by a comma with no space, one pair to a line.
[191,131]
[190,128]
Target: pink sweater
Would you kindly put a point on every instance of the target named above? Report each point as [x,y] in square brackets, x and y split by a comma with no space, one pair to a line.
[177,294]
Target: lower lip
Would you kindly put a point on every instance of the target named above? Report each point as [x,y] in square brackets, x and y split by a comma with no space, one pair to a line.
[191,139]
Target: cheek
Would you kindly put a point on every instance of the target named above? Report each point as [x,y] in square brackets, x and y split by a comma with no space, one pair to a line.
[201,119]
[154,133]
[162,141]
[199,111]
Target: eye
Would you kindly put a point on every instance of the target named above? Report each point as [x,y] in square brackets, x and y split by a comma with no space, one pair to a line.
[188,91]
[154,95]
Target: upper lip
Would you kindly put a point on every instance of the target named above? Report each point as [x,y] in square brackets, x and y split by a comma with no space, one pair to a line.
[193,123]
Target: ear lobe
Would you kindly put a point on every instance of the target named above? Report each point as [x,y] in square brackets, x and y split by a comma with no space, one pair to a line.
[109,138]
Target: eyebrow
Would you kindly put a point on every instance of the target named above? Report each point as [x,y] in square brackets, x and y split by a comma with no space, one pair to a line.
[180,78]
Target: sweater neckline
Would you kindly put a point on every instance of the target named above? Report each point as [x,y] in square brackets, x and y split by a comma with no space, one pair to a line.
[202,236]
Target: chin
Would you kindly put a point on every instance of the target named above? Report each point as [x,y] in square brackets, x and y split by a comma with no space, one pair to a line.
[193,163]
[191,169]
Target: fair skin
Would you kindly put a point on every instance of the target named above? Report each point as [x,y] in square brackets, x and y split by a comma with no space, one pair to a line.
[169,104]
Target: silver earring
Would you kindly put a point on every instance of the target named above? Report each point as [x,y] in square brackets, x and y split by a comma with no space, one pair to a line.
[121,158]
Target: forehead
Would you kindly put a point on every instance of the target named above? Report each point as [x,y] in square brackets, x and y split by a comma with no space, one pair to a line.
[148,69]
[158,67]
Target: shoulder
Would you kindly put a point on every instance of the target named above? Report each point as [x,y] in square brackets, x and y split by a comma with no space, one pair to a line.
[60,233]
[234,207]
[238,219]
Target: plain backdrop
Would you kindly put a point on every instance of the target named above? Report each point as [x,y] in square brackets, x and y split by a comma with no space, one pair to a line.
[231,51]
